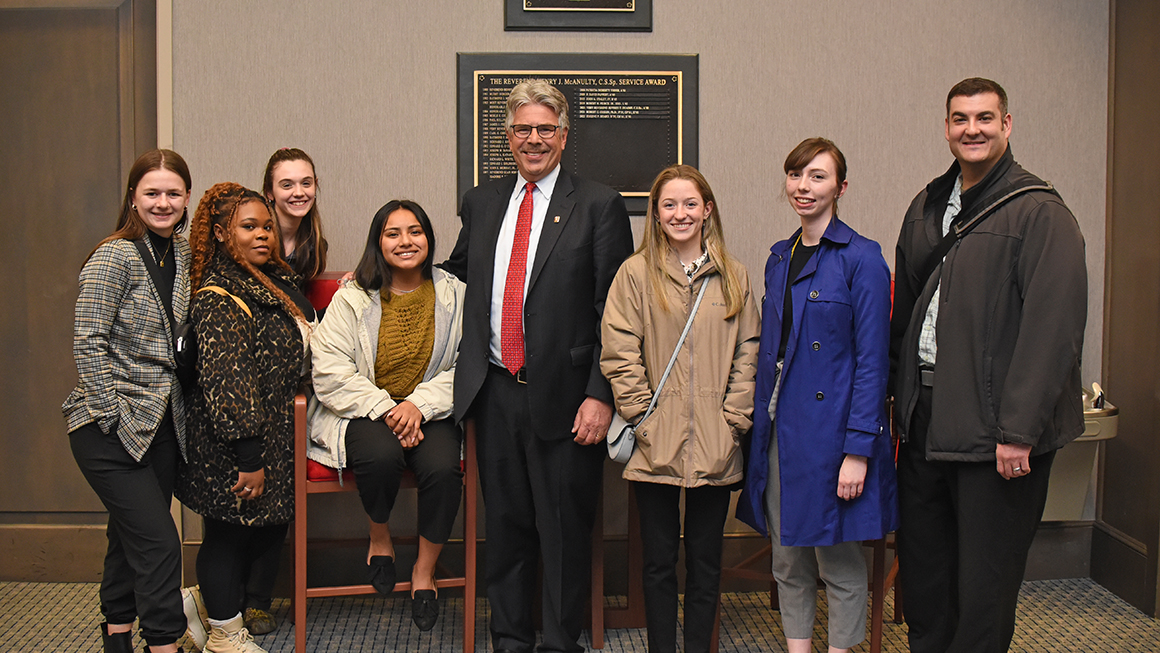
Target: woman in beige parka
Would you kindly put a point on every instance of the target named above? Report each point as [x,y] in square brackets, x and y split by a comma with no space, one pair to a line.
[692,439]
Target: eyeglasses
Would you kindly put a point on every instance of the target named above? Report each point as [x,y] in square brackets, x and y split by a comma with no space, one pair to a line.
[524,131]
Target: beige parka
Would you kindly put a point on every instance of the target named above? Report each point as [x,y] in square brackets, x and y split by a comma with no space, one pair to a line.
[693,437]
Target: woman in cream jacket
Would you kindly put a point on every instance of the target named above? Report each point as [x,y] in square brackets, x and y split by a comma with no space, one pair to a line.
[384,362]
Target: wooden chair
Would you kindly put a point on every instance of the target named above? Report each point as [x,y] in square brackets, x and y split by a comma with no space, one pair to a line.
[631,614]
[305,487]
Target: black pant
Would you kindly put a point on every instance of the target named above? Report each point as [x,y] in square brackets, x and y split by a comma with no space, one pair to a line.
[706,508]
[142,576]
[963,544]
[541,502]
[378,462]
[260,579]
[227,552]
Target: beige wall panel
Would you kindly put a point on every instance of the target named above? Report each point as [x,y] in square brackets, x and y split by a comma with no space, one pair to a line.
[368,88]
[62,175]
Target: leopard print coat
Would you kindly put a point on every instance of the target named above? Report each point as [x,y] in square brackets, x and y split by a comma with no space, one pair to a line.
[248,372]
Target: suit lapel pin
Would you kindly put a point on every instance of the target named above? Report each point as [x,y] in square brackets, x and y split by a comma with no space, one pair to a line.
[556,219]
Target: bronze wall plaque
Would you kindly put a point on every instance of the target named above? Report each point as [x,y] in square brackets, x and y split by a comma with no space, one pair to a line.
[631,116]
[579,5]
[578,15]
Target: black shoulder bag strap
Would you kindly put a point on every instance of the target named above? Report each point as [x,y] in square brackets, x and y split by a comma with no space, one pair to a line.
[960,229]
[184,347]
[155,277]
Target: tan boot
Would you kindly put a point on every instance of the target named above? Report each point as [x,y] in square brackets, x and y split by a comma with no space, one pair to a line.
[232,638]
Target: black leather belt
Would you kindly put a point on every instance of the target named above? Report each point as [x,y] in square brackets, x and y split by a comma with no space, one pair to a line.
[520,377]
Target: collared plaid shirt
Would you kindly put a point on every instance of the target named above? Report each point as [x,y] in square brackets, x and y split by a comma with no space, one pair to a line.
[927,338]
[123,346]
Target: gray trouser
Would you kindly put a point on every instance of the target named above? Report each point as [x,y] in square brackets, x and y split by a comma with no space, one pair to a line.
[797,568]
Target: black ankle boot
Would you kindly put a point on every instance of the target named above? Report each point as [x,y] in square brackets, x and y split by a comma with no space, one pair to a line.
[116,642]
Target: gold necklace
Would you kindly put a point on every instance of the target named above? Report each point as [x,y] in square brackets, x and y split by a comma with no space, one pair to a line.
[165,253]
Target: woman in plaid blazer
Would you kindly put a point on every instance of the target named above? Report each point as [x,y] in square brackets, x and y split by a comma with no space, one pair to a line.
[126,416]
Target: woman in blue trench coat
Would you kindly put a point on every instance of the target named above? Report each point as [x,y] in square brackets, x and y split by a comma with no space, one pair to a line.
[820,473]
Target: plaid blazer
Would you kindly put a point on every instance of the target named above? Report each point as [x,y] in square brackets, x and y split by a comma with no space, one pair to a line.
[123,346]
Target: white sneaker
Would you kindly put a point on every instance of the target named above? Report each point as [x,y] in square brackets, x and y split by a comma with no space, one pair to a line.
[232,638]
[197,619]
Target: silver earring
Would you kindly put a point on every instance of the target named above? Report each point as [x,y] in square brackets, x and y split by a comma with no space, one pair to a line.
[134,207]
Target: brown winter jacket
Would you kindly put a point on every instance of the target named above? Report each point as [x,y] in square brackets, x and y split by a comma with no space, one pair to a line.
[693,437]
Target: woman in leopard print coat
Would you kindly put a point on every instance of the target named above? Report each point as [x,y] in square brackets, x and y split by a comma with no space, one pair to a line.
[252,326]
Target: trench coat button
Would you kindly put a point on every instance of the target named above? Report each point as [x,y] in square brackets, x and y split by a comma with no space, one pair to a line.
[813,294]
[821,396]
[817,345]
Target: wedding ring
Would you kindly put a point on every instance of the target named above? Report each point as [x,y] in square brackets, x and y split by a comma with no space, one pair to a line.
[1018,469]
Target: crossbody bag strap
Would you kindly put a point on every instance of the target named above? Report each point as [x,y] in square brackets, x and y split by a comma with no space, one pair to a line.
[154,277]
[222,291]
[960,229]
[676,350]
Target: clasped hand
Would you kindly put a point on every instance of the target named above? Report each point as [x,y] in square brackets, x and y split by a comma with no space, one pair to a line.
[404,420]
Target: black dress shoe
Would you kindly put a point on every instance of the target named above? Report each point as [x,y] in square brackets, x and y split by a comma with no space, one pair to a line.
[383,574]
[425,609]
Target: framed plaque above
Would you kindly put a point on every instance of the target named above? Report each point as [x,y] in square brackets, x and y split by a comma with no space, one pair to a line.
[631,115]
[578,15]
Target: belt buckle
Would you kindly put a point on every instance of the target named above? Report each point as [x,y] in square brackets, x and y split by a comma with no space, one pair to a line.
[522,376]
[926,377]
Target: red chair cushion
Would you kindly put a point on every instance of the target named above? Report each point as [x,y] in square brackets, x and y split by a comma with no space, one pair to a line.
[320,290]
[316,471]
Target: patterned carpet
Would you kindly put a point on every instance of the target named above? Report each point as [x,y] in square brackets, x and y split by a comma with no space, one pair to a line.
[1054,616]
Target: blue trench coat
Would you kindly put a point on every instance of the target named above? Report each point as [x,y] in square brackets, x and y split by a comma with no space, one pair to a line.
[832,398]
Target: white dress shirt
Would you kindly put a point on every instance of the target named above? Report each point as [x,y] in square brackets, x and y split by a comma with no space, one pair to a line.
[541,196]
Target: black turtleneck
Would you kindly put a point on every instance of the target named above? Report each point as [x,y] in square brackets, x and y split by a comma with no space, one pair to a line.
[167,260]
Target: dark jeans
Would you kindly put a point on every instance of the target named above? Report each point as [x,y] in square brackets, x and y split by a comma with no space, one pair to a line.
[706,508]
[142,577]
[378,461]
[227,553]
[963,544]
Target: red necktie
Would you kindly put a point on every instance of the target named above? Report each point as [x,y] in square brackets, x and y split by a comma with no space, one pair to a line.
[511,333]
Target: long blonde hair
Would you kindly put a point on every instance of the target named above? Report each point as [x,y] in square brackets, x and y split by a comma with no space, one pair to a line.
[654,247]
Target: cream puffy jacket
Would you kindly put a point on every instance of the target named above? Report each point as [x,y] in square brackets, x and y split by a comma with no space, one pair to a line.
[344,348]
[693,437]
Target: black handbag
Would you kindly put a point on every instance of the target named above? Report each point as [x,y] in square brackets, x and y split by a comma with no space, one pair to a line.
[184,340]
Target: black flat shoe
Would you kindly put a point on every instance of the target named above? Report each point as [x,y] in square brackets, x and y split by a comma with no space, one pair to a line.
[383,574]
[425,609]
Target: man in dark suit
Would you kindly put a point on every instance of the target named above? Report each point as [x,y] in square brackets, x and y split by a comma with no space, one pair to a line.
[538,251]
